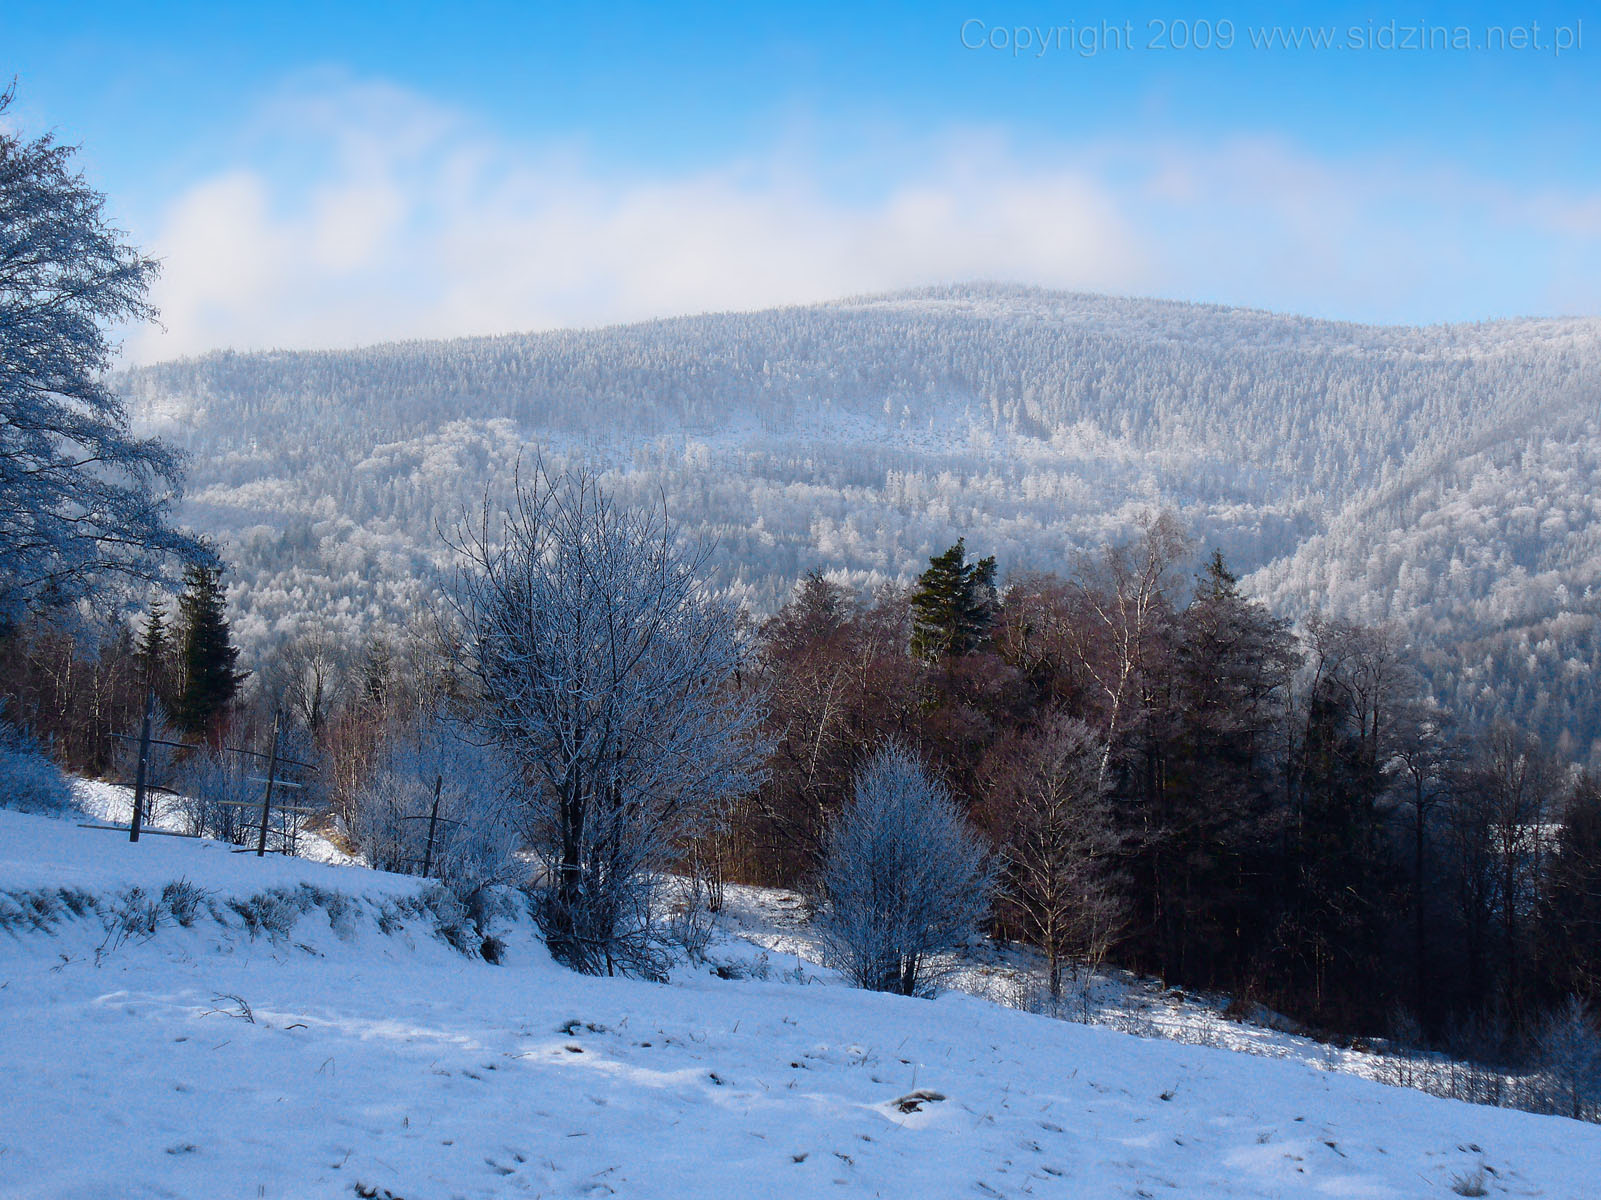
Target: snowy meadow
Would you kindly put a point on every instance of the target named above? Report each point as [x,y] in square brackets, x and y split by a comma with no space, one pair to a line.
[343,1048]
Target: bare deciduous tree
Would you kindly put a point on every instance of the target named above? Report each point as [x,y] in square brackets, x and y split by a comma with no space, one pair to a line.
[307,676]
[1569,1050]
[1425,762]
[84,503]
[1517,782]
[1049,813]
[608,673]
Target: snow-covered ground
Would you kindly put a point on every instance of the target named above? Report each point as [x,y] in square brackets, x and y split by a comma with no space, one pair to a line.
[353,1053]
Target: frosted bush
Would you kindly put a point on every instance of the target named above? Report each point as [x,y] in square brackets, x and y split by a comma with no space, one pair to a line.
[904,876]
[29,781]
[475,838]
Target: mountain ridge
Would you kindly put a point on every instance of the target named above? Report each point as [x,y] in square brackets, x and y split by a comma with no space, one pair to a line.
[1436,476]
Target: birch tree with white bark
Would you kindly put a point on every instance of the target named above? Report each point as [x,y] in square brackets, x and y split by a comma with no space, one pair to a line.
[1127,595]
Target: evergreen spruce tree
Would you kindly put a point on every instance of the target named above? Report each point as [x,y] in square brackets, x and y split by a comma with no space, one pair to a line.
[210,676]
[954,605]
[1218,583]
[820,606]
[154,654]
[153,642]
[1204,862]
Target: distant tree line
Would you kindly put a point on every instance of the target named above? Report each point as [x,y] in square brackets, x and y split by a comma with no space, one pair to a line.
[1175,780]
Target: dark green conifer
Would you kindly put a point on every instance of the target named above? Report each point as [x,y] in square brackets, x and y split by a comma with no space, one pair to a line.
[154,653]
[210,675]
[954,605]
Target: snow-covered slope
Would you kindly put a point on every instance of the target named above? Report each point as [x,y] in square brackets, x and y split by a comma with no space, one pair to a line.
[353,1053]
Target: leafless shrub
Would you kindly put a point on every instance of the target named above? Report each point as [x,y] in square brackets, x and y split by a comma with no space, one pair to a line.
[1568,1049]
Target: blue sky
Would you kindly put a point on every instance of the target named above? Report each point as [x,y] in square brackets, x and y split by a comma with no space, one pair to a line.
[316,177]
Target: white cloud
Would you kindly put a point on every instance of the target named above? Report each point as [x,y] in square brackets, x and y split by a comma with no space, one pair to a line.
[363,212]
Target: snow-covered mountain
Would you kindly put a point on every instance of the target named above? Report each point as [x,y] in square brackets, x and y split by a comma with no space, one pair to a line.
[180,1021]
[1441,477]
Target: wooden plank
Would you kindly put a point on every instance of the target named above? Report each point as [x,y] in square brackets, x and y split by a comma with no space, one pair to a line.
[254,804]
[293,762]
[145,830]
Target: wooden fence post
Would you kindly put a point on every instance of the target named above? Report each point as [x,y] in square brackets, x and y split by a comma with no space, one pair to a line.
[266,799]
[433,822]
[139,774]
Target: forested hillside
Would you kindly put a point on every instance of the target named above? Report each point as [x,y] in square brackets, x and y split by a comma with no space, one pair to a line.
[1442,478]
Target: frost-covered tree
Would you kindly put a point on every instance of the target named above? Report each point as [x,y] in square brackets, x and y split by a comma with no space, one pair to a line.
[84,503]
[474,839]
[904,878]
[608,674]
[1568,1049]
[216,794]
[307,676]
[29,780]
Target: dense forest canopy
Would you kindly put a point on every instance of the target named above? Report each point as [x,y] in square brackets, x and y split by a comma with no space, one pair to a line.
[1438,478]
